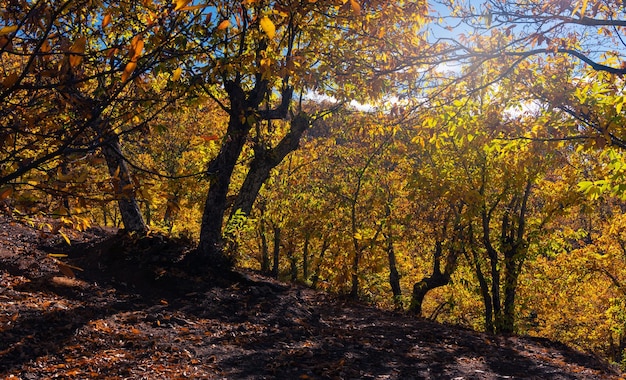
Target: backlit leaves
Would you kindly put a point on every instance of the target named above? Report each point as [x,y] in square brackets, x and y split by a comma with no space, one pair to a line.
[77,50]
[268,26]
[224,24]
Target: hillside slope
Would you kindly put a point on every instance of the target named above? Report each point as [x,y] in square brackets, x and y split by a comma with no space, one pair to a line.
[131,313]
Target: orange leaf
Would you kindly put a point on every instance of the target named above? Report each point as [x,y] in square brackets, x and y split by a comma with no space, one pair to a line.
[10,80]
[66,270]
[6,192]
[356,7]
[209,138]
[106,20]
[223,25]
[128,70]
[8,29]
[180,4]
[136,47]
[78,48]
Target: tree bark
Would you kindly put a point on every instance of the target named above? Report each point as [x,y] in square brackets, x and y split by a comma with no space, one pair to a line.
[316,275]
[210,251]
[244,106]
[265,254]
[435,280]
[276,251]
[305,258]
[394,276]
[123,187]
[264,161]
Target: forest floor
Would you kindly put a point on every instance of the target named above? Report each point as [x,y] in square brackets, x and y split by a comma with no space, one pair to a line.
[131,313]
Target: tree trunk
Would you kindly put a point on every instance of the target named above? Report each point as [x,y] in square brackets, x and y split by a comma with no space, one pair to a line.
[123,187]
[394,276]
[264,161]
[510,290]
[354,291]
[276,251]
[421,288]
[305,258]
[435,280]
[484,291]
[316,275]
[210,251]
[265,254]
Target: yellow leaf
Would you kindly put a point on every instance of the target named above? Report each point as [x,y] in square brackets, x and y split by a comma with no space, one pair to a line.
[176,74]
[268,26]
[106,20]
[78,49]
[356,7]
[180,4]
[583,8]
[8,29]
[223,25]
[57,255]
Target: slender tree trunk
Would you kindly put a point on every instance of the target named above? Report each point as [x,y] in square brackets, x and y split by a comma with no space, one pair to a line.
[276,251]
[316,275]
[293,264]
[484,291]
[305,258]
[354,290]
[123,187]
[265,254]
[394,276]
[510,290]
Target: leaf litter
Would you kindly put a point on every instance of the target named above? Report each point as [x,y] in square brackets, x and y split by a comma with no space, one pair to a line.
[133,312]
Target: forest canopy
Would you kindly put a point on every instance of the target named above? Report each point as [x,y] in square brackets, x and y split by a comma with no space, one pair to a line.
[462,162]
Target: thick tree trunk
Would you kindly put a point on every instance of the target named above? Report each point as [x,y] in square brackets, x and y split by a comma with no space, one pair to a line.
[123,187]
[421,288]
[264,161]
[435,280]
[210,250]
[244,106]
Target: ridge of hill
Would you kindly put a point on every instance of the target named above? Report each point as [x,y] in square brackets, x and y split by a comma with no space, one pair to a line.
[131,312]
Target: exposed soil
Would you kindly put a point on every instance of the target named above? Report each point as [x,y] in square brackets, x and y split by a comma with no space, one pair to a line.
[133,312]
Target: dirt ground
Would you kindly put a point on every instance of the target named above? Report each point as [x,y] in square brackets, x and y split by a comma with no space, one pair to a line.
[131,312]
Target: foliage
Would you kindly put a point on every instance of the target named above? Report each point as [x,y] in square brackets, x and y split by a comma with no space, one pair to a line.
[474,177]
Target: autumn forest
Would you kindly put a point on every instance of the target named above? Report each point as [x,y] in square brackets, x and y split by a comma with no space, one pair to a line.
[454,160]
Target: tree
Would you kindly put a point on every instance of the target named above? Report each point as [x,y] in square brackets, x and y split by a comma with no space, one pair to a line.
[81,75]
[264,51]
[588,31]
